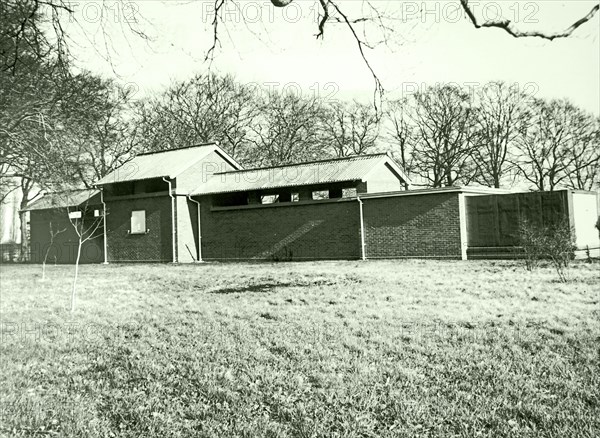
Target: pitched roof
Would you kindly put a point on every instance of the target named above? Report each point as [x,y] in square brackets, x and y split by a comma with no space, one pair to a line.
[71,198]
[168,163]
[304,174]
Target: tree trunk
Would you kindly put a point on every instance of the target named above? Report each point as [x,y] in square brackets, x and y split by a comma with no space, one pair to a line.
[73,290]
[24,256]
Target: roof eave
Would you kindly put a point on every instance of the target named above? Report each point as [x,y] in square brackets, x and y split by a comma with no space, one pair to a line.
[100,183]
[196,192]
[32,207]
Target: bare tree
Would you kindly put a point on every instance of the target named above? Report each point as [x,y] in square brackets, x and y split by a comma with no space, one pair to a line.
[583,170]
[78,135]
[97,129]
[53,234]
[7,188]
[37,29]
[560,144]
[202,109]
[443,122]
[351,128]
[86,228]
[287,130]
[37,86]
[26,40]
[33,69]
[401,134]
[501,118]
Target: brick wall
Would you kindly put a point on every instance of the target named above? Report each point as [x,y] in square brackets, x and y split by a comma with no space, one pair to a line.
[64,246]
[413,226]
[156,245]
[321,230]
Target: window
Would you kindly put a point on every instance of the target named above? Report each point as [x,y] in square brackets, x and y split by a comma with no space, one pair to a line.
[138,222]
[349,193]
[320,194]
[269,199]
[295,197]
[232,199]
[97,213]
[74,215]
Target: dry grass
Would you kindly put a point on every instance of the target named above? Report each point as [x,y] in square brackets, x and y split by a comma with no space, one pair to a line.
[410,348]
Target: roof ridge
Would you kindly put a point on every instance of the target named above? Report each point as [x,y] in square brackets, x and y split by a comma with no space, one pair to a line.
[212,143]
[353,157]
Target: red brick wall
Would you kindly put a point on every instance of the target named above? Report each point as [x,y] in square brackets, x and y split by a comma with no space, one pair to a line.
[322,230]
[413,226]
[155,246]
[404,226]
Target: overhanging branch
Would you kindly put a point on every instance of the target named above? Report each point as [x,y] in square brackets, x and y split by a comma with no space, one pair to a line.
[361,44]
[508,26]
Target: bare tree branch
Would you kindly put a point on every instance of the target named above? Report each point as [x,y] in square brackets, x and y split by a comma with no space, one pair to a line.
[378,92]
[508,26]
[219,4]
[324,18]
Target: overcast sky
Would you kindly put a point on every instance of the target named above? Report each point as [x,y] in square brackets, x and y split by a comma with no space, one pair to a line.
[278,46]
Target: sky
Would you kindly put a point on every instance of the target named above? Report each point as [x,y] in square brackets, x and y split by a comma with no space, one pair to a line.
[428,42]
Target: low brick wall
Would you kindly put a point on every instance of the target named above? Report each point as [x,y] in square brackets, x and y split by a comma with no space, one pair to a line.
[425,225]
[319,230]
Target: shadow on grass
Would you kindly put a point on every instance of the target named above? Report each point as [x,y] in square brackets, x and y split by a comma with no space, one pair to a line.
[261,287]
[268,287]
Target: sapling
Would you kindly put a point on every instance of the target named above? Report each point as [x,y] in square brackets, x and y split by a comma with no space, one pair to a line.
[53,235]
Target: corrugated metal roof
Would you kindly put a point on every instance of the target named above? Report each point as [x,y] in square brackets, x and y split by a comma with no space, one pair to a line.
[169,163]
[303,174]
[62,199]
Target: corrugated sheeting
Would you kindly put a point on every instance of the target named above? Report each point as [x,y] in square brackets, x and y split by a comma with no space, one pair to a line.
[304,174]
[493,221]
[63,199]
[158,164]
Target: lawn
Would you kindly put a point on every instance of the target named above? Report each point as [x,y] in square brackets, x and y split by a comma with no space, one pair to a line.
[346,349]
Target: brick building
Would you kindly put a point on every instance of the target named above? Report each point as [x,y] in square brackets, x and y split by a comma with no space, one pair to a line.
[198,204]
[150,216]
[52,233]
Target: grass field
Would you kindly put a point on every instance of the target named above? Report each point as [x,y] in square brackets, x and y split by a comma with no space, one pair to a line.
[346,349]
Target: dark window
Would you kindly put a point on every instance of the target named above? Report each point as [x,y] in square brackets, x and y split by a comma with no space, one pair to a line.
[150,186]
[231,199]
